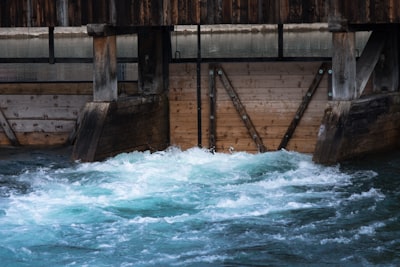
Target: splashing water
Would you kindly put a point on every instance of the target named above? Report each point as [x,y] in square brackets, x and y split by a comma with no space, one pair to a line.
[194,208]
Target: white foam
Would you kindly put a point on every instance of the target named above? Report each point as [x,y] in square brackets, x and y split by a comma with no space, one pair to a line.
[371,193]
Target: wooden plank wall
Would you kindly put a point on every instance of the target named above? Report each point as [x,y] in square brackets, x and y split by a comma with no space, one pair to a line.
[44,13]
[42,115]
[23,13]
[45,114]
[366,11]
[271,94]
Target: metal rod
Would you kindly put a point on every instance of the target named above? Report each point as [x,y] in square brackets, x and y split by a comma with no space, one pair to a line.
[280,40]
[199,132]
[252,59]
[212,99]
[51,45]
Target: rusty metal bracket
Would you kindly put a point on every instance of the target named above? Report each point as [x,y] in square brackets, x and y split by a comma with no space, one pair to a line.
[303,106]
[241,110]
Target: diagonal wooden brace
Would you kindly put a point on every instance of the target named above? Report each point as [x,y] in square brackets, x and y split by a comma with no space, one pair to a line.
[241,110]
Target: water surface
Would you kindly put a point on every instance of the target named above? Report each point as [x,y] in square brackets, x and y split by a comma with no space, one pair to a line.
[194,208]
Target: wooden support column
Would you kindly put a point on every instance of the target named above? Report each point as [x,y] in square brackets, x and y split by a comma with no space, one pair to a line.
[154,53]
[105,87]
[344,66]
[344,90]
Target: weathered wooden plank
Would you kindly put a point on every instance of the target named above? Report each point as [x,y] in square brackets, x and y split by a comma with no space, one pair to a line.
[84,89]
[182,11]
[74,12]
[43,13]
[35,101]
[8,130]
[45,126]
[125,12]
[91,128]
[105,68]
[174,10]
[166,12]
[344,85]
[36,139]
[271,12]
[254,11]
[244,11]
[226,11]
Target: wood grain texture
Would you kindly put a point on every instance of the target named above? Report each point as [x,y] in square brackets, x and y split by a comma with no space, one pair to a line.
[45,13]
[271,94]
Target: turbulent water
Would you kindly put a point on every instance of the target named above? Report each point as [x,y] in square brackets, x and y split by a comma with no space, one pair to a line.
[194,208]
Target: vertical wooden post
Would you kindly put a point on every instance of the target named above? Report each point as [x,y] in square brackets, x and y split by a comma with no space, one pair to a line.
[344,67]
[62,12]
[154,53]
[105,87]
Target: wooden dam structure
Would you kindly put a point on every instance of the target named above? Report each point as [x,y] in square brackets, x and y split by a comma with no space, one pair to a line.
[336,107]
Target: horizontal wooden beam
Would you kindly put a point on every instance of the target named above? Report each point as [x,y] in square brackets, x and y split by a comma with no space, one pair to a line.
[102,30]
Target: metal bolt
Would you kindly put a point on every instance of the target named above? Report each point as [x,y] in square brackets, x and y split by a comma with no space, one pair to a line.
[219,72]
[321,71]
[211,72]
[244,117]
[330,71]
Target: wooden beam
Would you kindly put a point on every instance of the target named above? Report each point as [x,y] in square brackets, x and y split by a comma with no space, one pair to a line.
[8,130]
[89,133]
[344,66]
[241,110]
[105,85]
[370,56]
[303,106]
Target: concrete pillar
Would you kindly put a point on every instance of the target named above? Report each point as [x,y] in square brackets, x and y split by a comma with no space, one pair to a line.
[105,84]
[344,66]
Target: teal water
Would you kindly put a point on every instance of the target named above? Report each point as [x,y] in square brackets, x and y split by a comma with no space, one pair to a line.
[194,208]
